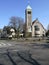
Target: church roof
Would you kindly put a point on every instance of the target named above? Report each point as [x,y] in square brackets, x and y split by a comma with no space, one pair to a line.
[28,7]
[38,22]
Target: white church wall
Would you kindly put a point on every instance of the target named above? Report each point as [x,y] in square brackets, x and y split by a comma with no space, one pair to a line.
[41,30]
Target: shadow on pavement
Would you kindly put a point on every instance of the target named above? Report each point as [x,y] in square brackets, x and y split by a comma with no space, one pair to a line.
[13,62]
[41,45]
[45,45]
[1,64]
[24,56]
[33,62]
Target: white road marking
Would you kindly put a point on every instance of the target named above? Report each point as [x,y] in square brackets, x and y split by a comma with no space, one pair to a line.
[8,44]
[4,44]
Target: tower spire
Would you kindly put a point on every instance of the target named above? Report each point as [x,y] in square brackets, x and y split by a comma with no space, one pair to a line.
[28,2]
[28,6]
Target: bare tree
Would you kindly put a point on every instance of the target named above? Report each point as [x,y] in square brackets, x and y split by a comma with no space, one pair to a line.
[0,30]
[13,22]
[17,23]
[7,29]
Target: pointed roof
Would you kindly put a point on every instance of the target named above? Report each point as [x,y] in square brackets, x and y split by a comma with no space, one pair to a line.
[28,7]
[38,22]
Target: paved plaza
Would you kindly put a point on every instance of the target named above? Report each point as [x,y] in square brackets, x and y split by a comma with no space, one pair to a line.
[23,53]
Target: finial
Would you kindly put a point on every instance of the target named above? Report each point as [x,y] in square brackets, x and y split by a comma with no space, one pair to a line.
[28,6]
[28,2]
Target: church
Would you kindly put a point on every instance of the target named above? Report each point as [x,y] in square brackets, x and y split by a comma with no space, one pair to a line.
[33,28]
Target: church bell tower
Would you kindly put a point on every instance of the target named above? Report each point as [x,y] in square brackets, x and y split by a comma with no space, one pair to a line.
[28,20]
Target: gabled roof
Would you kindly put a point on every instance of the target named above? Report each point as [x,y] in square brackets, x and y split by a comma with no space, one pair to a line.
[38,22]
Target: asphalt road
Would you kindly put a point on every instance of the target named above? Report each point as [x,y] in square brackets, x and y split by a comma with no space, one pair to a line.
[23,53]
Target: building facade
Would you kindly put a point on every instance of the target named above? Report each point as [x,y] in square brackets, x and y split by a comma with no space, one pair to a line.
[34,28]
[37,28]
[28,21]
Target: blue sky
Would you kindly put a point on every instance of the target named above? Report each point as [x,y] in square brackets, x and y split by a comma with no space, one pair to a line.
[8,8]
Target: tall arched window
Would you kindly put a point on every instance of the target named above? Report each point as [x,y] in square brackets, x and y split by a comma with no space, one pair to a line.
[36,28]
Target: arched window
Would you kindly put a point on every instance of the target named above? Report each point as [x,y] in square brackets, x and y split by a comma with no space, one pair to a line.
[29,12]
[36,28]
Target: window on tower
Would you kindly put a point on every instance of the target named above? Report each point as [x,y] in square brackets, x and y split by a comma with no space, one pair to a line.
[29,12]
